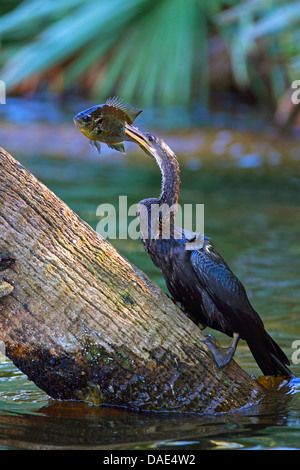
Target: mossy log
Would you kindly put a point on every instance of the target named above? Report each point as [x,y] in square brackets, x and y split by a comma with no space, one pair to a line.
[83,323]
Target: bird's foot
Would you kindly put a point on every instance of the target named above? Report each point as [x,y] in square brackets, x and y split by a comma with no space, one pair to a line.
[221,355]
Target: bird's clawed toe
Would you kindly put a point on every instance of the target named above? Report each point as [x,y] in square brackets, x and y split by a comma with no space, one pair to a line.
[221,355]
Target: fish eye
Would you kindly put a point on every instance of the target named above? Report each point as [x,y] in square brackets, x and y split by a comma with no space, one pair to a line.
[150,138]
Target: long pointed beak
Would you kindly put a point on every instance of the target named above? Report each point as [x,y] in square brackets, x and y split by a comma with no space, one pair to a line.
[140,138]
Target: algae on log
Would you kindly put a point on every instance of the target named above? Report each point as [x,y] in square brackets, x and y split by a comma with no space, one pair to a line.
[84,323]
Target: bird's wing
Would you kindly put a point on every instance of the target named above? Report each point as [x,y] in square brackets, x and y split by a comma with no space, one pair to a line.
[224,289]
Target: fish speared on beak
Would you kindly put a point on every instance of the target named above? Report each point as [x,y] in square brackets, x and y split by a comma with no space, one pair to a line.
[138,137]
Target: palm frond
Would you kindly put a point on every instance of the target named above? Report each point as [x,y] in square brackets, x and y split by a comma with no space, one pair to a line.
[259,29]
[139,47]
[64,37]
[153,51]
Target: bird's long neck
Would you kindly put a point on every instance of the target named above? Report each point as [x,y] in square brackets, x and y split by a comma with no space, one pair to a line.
[169,167]
[158,221]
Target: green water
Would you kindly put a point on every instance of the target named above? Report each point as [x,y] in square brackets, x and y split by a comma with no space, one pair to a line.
[252,215]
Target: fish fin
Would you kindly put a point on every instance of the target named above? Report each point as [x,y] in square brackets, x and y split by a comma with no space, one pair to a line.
[98,146]
[117,102]
[119,147]
[95,143]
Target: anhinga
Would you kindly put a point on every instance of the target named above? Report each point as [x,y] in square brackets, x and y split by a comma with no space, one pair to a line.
[199,279]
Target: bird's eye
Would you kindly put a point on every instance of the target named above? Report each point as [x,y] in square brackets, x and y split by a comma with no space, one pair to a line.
[150,138]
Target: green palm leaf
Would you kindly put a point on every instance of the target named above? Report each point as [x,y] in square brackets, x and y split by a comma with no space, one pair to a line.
[150,51]
[144,48]
[65,37]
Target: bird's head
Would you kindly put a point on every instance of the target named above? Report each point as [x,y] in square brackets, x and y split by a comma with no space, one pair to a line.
[145,140]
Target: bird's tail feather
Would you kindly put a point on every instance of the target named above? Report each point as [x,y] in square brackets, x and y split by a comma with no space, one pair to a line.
[270,357]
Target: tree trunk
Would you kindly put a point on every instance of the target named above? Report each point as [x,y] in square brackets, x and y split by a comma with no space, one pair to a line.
[83,323]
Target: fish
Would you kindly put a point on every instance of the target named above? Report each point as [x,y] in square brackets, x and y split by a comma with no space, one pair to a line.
[107,123]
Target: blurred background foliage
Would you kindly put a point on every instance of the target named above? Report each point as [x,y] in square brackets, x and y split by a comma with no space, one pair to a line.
[152,52]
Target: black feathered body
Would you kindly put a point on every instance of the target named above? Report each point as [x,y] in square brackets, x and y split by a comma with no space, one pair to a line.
[202,282]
